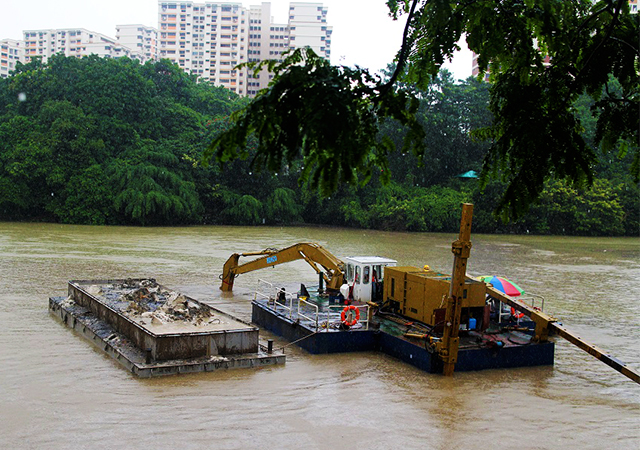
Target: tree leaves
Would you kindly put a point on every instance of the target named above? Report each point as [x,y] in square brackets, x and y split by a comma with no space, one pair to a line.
[326,115]
[95,123]
[535,134]
[542,55]
[148,192]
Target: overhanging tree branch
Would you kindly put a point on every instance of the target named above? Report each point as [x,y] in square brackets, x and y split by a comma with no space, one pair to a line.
[404,50]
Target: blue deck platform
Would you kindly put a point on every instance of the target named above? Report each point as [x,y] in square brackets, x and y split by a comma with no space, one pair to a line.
[471,356]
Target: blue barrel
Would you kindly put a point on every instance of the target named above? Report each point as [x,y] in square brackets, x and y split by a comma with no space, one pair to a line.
[472,324]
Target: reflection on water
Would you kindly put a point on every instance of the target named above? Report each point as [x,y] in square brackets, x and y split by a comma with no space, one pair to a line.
[58,392]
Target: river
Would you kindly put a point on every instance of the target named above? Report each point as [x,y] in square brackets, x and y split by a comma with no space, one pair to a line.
[58,391]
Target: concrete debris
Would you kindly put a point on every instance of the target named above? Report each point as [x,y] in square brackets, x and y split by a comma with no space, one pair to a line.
[68,301]
[94,290]
[146,299]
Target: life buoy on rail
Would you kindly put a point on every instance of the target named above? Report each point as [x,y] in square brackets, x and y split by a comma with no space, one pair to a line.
[344,317]
[516,314]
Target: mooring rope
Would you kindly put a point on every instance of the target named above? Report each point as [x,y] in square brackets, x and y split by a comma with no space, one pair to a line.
[301,339]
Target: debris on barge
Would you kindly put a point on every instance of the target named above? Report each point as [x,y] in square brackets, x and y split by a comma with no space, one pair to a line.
[152,330]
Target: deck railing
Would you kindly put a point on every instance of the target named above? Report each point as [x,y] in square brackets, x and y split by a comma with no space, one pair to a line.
[529,299]
[303,302]
[269,292]
[297,308]
[335,313]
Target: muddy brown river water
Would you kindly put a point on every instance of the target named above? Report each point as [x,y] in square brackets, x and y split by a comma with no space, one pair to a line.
[59,392]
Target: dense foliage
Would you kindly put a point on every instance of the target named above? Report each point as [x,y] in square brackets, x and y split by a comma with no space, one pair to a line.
[327,116]
[542,55]
[99,141]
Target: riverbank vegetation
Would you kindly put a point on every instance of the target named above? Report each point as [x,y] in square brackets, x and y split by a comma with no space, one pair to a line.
[104,141]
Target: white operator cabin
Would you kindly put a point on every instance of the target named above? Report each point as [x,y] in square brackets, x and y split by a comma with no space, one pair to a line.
[364,275]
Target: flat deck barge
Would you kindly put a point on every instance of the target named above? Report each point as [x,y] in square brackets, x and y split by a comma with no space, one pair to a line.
[315,326]
[152,331]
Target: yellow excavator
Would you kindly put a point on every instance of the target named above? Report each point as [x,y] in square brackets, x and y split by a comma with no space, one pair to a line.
[420,292]
[329,268]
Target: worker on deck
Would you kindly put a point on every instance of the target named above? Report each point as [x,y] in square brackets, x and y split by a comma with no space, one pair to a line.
[282,296]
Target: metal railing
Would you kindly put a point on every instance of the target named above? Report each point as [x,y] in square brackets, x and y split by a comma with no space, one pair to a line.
[304,309]
[265,290]
[269,292]
[303,301]
[335,313]
[529,299]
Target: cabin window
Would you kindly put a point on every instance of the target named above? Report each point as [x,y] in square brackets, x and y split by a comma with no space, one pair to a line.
[350,273]
[357,274]
[365,275]
[393,287]
[376,275]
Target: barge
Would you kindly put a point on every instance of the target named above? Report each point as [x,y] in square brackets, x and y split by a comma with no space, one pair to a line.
[434,321]
[315,323]
[151,330]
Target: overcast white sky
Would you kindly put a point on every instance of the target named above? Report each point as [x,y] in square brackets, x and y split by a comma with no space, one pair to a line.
[363,33]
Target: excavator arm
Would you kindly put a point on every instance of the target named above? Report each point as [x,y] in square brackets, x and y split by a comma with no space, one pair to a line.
[322,261]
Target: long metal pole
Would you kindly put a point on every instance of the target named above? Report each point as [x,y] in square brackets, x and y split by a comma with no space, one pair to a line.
[461,250]
[545,324]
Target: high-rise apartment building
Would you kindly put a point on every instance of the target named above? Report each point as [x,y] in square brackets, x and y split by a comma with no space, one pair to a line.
[72,42]
[210,39]
[260,30]
[308,27]
[206,39]
[140,39]
[11,51]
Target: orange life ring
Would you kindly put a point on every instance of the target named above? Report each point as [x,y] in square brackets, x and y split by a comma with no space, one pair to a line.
[516,314]
[345,311]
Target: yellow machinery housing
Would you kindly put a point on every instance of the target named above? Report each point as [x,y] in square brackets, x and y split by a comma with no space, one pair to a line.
[422,295]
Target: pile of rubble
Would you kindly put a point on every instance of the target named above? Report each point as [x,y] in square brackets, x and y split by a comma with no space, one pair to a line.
[147,300]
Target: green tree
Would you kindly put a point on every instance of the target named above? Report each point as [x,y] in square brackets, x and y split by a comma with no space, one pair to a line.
[148,191]
[24,164]
[448,112]
[326,115]
[329,116]
[282,206]
[102,140]
[565,210]
[88,199]
[243,210]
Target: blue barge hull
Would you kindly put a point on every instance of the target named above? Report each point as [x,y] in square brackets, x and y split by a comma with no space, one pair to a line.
[469,359]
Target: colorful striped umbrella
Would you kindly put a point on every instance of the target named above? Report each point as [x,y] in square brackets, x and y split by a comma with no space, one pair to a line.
[503,285]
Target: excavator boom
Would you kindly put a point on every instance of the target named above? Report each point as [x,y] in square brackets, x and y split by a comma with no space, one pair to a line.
[331,268]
